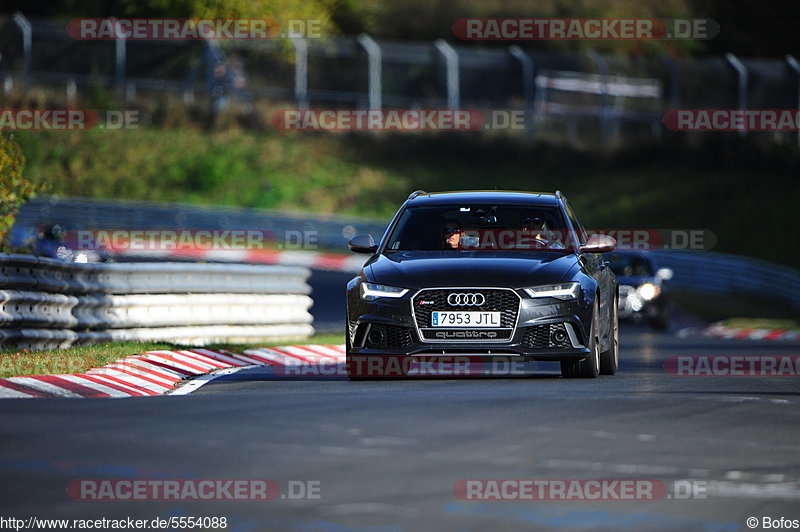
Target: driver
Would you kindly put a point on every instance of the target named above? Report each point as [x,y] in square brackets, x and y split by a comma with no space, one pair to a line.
[534,225]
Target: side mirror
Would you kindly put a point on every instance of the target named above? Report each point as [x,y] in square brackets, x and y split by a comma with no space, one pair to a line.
[599,244]
[664,273]
[362,244]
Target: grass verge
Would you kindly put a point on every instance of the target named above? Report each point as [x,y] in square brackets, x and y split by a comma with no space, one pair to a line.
[761,323]
[80,359]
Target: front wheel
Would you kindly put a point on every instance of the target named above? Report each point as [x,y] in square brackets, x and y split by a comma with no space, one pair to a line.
[588,368]
[609,359]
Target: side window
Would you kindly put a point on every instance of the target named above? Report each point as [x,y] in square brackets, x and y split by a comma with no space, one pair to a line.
[582,237]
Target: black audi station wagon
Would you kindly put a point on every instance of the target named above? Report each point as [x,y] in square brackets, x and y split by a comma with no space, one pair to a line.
[486,273]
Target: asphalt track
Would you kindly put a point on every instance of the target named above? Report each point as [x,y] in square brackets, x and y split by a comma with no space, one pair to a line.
[387,454]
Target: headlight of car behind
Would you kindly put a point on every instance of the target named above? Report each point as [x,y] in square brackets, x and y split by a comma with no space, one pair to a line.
[372,291]
[648,291]
[558,291]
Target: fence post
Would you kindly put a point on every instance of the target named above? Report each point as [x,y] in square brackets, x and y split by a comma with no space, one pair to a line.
[120,57]
[72,90]
[674,81]
[528,88]
[741,72]
[373,50]
[451,63]
[794,65]
[27,39]
[300,70]
[602,66]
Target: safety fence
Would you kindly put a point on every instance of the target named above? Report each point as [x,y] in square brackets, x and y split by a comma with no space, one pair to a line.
[598,99]
[46,303]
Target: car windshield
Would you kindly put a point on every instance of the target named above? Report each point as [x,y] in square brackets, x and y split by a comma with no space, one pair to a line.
[630,265]
[479,227]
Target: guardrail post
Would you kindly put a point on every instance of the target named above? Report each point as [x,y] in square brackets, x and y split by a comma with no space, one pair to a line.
[300,70]
[27,40]
[741,72]
[373,50]
[528,87]
[451,63]
[794,65]
[602,66]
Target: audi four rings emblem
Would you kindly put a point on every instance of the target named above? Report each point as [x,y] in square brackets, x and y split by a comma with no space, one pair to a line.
[458,299]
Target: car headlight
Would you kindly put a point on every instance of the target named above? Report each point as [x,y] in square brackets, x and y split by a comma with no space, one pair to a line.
[648,291]
[370,291]
[558,291]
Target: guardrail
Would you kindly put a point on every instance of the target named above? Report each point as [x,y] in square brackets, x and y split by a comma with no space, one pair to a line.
[723,273]
[74,213]
[45,303]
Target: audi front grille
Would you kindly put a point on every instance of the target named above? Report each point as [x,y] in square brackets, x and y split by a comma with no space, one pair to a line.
[503,300]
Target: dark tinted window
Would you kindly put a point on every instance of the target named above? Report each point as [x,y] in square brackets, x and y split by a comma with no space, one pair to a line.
[479,227]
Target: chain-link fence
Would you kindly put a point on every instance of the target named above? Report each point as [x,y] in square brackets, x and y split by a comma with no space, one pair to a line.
[619,98]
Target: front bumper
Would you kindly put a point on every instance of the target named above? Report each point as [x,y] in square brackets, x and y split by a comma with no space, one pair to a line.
[545,329]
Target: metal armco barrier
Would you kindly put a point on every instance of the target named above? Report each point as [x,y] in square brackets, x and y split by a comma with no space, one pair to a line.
[329,231]
[46,303]
[722,273]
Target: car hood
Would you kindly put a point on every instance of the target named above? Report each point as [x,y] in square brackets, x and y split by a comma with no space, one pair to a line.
[516,269]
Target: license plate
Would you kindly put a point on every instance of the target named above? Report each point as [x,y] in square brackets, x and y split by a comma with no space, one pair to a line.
[465,318]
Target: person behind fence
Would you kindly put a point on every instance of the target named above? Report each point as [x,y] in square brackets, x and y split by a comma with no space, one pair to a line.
[220,88]
[241,93]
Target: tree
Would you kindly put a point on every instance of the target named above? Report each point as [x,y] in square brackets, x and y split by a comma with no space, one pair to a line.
[14,188]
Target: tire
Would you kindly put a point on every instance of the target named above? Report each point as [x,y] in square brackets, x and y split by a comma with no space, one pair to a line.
[609,359]
[588,368]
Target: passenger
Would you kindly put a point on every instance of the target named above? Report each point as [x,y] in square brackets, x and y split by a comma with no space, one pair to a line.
[451,234]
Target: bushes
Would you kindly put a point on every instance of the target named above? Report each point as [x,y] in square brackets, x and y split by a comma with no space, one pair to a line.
[14,188]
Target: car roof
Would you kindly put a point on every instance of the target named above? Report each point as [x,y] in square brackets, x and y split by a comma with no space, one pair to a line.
[484,196]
